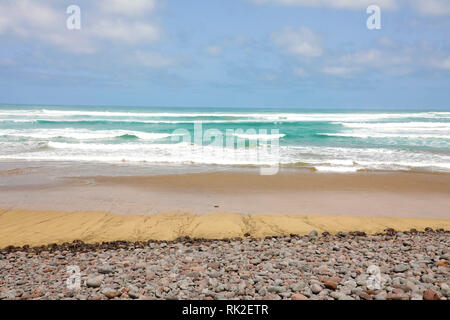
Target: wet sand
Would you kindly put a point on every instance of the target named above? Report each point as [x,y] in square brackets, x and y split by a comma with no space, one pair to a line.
[220,205]
[408,195]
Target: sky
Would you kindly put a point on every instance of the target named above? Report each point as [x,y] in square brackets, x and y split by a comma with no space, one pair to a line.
[226,53]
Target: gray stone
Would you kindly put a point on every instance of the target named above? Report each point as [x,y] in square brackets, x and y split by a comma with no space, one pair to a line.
[445,289]
[297,287]
[381,296]
[401,268]
[428,278]
[106,269]
[94,282]
[315,288]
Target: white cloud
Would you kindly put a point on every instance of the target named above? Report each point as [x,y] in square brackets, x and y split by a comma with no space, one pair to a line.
[393,63]
[32,13]
[441,63]
[129,7]
[21,16]
[44,22]
[76,44]
[386,42]
[31,19]
[398,71]
[376,58]
[4,22]
[129,32]
[338,70]
[214,50]
[340,4]
[423,7]
[432,7]
[300,42]
[153,59]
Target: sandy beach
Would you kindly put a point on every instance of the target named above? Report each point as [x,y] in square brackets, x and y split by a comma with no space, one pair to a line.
[220,205]
[297,235]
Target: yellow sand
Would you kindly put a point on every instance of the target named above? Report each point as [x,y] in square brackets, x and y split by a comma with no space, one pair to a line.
[19,227]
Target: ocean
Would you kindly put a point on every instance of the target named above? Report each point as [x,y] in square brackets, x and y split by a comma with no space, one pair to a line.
[323,140]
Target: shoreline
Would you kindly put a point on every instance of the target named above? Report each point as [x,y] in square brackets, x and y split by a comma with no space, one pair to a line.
[299,180]
[35,228]
[400,195]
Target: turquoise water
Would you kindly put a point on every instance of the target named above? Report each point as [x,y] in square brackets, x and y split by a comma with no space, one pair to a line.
[328,140]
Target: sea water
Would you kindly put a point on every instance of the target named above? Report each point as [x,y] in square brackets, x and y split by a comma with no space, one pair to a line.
[326,140]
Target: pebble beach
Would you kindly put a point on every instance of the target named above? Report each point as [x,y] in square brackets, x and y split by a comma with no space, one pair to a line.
[412,265]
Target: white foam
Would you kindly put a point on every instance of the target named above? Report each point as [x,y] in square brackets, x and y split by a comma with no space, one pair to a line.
[259,136]
[362,125]
[399,125]
[82,134]
[365,158]
[112,147]
[149,153]
[324,159]
[336,169]
[386,135]
[267,116]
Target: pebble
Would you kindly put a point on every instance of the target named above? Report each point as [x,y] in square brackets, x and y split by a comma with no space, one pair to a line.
[329,284]
[110,293]
[381,296]
[401,268]
[94,282]
[315,267]
[106,269]
[445,289]
[430,294]
[298,296]
[315,288]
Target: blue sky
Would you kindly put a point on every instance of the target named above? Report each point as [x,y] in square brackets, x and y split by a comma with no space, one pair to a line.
[238,53]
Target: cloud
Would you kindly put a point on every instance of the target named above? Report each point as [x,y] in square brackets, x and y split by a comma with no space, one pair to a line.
[423,7]
[432,7]
[75,44]
[32,19]
[4,22]
[128,32]
[339,4]
[375,58]
[153,59]
[393,63]
[441,63]
[21,16]
[214,50]
[129,7]
[300,42]
[386,42]
[338,70]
